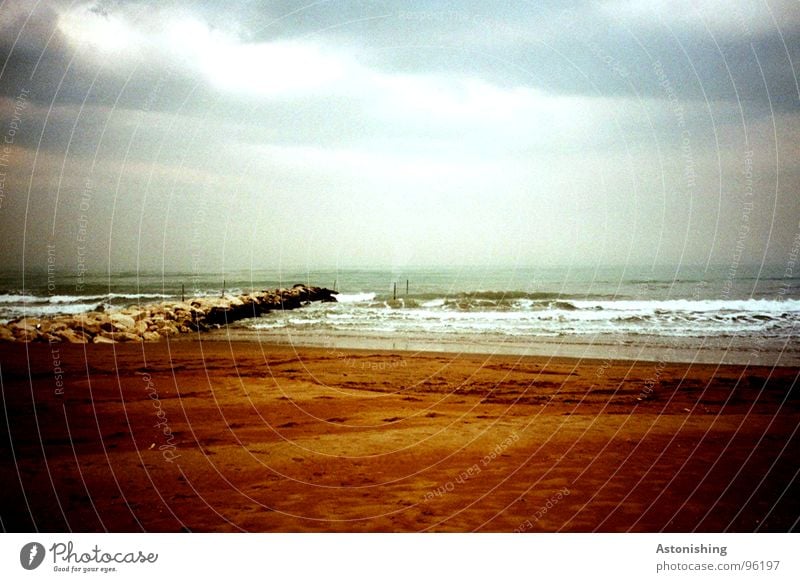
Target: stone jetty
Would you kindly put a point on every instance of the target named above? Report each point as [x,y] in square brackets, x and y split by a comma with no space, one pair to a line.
[155,321]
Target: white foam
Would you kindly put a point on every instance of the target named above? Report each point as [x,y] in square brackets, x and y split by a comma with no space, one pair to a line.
[61,299]
[674,318]
[744,305]
[355,297]
[433,303]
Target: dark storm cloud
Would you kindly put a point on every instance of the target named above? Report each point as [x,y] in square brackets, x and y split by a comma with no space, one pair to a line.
[436,103]
[58,72]
[575,50]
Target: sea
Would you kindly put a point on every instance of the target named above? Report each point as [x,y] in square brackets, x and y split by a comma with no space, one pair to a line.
[747,314]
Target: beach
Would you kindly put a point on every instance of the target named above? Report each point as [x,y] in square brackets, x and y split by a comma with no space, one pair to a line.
[194,435]
[406,268]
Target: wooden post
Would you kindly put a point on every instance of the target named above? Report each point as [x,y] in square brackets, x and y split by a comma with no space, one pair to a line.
[406,287]
[223,288]
[183,292]
[394,295]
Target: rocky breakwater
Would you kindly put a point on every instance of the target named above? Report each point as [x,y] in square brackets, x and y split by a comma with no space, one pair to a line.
[155,321]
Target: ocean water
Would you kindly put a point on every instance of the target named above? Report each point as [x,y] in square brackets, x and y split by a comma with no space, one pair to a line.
[688,309]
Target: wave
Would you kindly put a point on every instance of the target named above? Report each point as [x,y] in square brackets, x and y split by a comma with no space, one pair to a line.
[16,305]
[695,306]
[524,302]
[523,317]
[564,305]
[355,297]
[55,299]
[45,310]
[509,295]
[514,313]
[14,298]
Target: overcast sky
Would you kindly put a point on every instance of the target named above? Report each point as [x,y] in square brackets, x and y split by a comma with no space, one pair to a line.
[231,135]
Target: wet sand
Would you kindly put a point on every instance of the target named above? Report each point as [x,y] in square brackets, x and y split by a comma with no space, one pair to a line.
[217,436]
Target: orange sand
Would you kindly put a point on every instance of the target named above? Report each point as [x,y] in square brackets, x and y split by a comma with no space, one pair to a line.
[211,436]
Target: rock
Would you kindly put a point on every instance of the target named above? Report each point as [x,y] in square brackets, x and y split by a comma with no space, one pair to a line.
[24,325]
[24,330]
[72,336]
[44,326]
[136,314]
[86,325]
[151,322]
[169,329]
[122,320]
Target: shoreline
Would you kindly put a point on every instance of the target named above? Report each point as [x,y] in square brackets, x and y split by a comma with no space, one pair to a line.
[247,436]
[739,351]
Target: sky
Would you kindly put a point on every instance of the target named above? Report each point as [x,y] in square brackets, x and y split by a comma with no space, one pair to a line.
[186,136]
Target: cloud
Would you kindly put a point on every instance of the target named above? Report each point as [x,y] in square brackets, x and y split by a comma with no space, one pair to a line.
[262,69]
[357,119]
[106,35]
[737,18]
[227,62]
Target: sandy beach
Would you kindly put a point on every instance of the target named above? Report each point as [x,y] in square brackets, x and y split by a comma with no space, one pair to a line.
[214,436]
